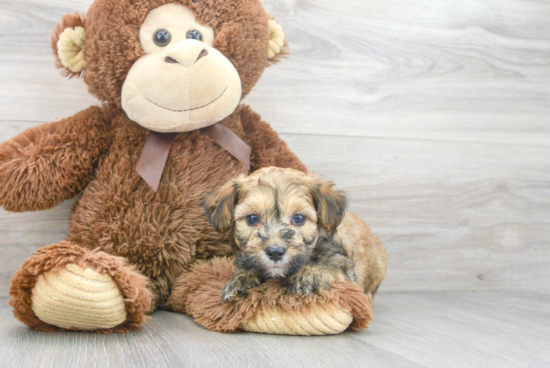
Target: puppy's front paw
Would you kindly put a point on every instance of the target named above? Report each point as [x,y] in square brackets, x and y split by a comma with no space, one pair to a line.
[239,285]
[307,281]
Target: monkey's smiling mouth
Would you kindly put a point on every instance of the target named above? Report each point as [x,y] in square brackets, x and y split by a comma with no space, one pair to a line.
[195,108]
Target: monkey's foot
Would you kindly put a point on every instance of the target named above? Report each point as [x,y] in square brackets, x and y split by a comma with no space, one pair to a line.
[67,287]
[77,298]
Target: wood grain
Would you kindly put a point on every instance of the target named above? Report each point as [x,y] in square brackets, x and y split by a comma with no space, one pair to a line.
[409,330]
[452,70]
[433,116]
[452,216]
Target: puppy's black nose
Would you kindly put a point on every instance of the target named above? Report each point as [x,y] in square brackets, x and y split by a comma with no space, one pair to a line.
[275,253]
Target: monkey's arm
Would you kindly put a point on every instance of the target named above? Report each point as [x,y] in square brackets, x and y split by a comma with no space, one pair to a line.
[268,149]
[46,164]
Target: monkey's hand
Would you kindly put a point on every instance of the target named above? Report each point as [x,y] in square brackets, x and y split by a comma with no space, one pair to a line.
[239,284]
[46,164]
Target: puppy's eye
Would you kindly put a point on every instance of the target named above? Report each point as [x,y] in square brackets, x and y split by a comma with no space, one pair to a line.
[252,220]
[194,35]
[299,220]
[162,37]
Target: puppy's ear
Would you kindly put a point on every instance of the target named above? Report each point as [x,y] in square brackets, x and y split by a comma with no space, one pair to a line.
[219,206]
[330,203]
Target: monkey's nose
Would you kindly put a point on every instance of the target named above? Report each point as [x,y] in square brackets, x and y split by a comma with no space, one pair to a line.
[185,60]
[203,53]
[275,253]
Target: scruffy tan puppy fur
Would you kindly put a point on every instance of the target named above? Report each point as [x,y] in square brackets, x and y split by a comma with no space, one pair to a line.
[284,224]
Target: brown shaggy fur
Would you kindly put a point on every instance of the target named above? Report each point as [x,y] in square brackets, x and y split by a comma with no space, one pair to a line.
[197,293]
[49,163]
[132,285]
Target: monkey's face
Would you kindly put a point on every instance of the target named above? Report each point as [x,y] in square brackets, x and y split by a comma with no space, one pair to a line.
[182,83]
[276,216]
[171,65]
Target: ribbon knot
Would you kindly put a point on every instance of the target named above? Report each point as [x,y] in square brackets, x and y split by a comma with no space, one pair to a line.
[157,146]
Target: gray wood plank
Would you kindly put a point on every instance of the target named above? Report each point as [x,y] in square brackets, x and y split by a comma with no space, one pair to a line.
[452,216]
[453,70]
[22,233]
[409,330]
[464,329]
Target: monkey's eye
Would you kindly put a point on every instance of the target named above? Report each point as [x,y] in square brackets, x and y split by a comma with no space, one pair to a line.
[299,220]
[162,37]
[252,220]
[194,35]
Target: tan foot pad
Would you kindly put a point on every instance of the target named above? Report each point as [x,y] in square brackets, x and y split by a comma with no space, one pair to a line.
[77,298]
[322,321]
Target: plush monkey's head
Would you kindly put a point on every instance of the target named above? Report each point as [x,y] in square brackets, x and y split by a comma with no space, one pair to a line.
[172,66]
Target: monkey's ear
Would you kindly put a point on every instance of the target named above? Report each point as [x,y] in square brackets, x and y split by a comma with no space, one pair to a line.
[68,43]
[277,43]
[219,206]
[330,203]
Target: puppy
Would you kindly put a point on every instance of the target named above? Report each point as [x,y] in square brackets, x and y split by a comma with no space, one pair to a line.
[283,223]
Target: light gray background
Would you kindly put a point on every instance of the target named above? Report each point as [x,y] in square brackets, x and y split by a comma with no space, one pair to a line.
[434,116]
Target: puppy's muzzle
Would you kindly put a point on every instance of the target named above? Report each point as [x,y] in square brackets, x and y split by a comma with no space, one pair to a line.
[275,253]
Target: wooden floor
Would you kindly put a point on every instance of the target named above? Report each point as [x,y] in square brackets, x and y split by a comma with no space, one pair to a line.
[485,329]
[434,116]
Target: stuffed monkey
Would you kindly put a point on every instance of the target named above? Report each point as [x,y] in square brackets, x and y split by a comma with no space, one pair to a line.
[171,128]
